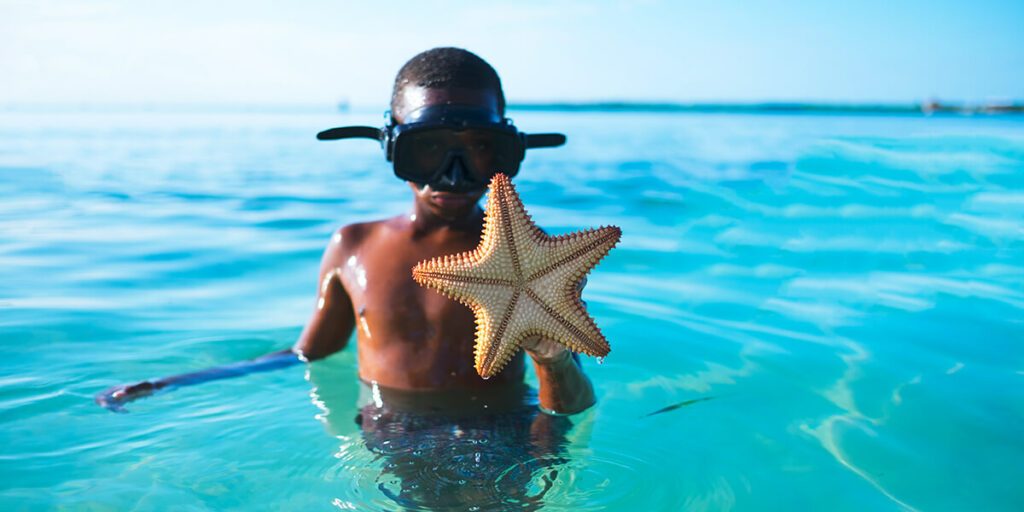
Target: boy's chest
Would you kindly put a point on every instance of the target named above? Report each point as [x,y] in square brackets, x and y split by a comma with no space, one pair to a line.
[389,304]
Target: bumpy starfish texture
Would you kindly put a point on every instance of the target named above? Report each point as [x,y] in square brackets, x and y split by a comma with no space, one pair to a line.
[520,282]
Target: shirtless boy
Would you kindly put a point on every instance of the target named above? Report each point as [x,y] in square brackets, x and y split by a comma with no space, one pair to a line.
[412,339]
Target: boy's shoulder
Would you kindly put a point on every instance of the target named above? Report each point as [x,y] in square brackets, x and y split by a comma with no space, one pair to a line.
[348,239]
[352,236]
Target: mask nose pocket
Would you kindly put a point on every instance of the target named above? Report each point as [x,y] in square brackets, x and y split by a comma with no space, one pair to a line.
[456,177]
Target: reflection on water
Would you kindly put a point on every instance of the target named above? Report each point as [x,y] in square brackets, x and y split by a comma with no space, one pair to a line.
[483,461]
[448,450]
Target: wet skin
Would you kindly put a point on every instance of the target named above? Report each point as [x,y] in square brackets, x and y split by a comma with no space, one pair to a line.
[410,338]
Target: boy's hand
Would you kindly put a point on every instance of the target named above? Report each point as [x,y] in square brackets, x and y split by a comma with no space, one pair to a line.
[114,398]
[545,351]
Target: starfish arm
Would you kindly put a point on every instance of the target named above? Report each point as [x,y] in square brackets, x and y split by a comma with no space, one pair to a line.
[555,288]
[462,276]
[500,336]
[581,250]
[457,286]
[565,320]
[508,227]
[497,334]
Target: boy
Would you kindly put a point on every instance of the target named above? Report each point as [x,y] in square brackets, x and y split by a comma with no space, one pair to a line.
[449,103]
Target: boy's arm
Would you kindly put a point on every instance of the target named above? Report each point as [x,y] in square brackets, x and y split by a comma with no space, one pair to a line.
[331,323]
[564,388]
[116,397]
[326,332]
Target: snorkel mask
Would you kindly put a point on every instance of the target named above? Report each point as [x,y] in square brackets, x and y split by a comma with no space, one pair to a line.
[452,148]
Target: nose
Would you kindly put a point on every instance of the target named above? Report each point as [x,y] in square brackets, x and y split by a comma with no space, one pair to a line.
[455,177]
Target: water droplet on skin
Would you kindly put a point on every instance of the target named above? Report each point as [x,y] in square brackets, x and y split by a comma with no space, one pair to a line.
[600,360]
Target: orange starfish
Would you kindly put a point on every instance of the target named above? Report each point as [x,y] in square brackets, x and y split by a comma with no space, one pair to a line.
[520,282]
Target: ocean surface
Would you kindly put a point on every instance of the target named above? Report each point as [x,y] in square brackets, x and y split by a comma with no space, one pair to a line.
[834,303]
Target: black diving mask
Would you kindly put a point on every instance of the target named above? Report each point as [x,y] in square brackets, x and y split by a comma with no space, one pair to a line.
[453,148]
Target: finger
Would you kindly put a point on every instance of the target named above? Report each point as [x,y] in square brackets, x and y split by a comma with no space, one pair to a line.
[114,398]
[581,284]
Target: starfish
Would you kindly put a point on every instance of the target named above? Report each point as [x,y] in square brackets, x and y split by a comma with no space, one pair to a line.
[520,282]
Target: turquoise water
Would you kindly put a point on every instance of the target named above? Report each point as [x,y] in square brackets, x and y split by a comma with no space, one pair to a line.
[846,290]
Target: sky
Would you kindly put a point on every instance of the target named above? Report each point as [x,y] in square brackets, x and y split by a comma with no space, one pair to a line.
[322,52]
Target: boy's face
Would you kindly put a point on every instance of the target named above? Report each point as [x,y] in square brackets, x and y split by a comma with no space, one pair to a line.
[446,205]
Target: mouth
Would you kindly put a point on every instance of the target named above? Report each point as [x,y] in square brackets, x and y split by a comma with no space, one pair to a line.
[452,199]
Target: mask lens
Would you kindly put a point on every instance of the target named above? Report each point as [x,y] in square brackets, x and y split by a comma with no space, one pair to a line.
[420,154]
[429,150]
[487,152]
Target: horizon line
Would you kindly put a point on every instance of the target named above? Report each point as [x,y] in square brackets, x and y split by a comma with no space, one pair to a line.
[931,106]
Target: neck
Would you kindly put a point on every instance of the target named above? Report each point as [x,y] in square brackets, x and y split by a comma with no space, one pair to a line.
[424,220]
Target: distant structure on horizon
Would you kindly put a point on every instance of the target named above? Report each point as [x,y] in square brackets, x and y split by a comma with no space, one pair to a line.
[933,105]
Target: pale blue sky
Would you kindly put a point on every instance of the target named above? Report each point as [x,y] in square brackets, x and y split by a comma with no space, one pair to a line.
[321,51]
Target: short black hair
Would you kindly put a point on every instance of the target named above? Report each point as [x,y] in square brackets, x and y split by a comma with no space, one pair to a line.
[448,67]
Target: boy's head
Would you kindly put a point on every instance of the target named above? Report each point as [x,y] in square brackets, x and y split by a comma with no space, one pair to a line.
[447,134]
[443,77]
